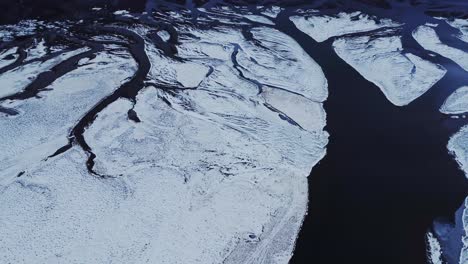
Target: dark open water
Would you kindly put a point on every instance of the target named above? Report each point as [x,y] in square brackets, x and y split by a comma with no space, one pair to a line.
[387,173]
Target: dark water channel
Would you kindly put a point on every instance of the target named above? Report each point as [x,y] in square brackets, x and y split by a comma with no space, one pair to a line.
[387,173]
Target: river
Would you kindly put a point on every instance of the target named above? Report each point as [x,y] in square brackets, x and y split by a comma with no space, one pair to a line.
[387,173]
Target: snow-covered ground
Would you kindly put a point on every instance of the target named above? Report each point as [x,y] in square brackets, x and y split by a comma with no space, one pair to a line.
[458,146]
[8,56]
[214,168]
[457,102]
[165,36]
[402,77]
[23,28]
[43,124]
[212,174]
[464,252]
[303,77]
[259,19]
[323,27]
[37,50]
[378,57]
[427,37]
[272,11]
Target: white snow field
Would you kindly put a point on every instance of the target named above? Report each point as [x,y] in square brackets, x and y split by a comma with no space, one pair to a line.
[427,37]
[457,102]
[402,77]
[215,172]
[323,27]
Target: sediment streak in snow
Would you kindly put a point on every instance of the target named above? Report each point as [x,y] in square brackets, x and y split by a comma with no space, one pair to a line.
[43,123]
[434,249]
[323,27]
[373,47]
